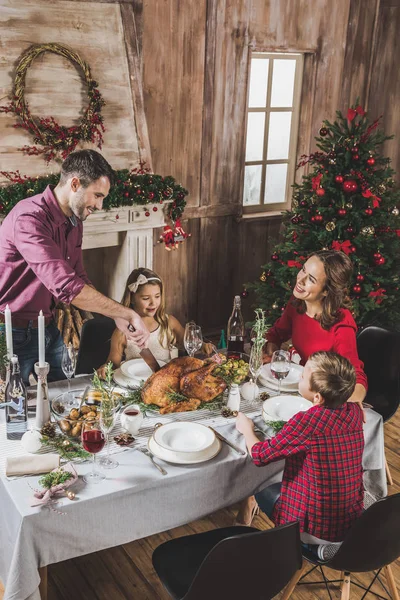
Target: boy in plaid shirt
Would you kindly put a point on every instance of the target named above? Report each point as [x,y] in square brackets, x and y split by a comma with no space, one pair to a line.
[322,485]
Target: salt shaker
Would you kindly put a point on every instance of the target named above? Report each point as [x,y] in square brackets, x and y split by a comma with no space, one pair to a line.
[234,397]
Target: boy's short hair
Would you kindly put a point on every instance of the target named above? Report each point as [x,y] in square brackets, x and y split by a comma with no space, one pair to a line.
[88,166]
[333,376]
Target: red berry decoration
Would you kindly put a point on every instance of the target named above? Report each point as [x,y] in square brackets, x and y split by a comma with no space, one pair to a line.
[295,220]
[368,212]
[360,277]
[150,195]
[244,293]
[138,191]
[1,207]
[339,178]
[381,261]
[342,212]
[377,255]
[350,229]
[350,186]
[268,273]
[126,194]
[320,192]
[147,213]
[319,218]
[356,157]
[275,256]
[303,203]
[354,150]
[155,209]
[357,288]
[323,131]
[371,161]
[353,249]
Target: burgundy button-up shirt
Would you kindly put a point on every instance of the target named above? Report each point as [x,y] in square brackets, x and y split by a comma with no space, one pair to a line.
[322,485]
[40,257]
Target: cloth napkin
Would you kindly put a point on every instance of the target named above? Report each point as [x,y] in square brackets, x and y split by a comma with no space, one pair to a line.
[31,464]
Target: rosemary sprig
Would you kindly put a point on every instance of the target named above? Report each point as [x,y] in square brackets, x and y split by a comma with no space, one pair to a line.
[176,396]
[55,478]
[259,329]
[276,426]
[105,386]
[69,451]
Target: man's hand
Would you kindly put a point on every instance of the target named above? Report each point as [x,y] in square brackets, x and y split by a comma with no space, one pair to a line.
[244,425]
[140,333]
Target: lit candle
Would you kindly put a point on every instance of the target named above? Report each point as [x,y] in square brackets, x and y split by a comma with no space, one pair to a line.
[9,340]
[41,339]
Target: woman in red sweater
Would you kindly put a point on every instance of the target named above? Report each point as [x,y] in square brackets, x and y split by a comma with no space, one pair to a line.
[317,318]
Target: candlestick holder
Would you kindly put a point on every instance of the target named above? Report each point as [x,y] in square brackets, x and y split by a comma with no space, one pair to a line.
[42,399]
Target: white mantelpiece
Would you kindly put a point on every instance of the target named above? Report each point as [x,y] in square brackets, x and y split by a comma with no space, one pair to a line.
[129,228]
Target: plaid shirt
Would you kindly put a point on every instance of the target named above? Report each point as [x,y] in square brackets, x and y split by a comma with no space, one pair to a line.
[322,485]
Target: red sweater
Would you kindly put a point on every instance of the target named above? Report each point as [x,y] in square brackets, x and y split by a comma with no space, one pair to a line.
[309,337]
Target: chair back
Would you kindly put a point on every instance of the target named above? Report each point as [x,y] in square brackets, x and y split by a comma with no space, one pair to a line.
[253,565]
[95,344]
[379,349]
[373,541]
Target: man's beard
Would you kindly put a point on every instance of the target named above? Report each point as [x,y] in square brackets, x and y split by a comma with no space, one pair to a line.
[78,206]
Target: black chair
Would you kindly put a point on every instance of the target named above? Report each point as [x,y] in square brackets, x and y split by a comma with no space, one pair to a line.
[95,344]
[379,349]
[234,562]
[372,544]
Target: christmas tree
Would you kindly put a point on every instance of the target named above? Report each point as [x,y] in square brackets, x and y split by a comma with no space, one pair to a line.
[347,202]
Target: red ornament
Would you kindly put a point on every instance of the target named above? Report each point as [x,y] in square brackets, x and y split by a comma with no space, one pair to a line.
[303,203]
[150,195]
[147,213]
[353,249]
[138,191]
[380,261]
[342,212]
[357,288]
[323,131]
[368,212]
[354,149]
[268,273]
[320,192]
[126,194]
[339,178]
[275,256]
[350,229]
[360,277]
[295,220]
[377,255]
[350,186]
[356,157]
[244,293]
[1,207]
[371,161]
[155,209]
[319,218]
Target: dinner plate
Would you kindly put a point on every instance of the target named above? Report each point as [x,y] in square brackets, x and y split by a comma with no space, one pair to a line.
[129,382]
[290,382]
[283,408]
[138,369]
[189,438]
[181,459]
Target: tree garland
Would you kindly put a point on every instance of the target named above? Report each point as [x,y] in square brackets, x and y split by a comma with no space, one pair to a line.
[56,139]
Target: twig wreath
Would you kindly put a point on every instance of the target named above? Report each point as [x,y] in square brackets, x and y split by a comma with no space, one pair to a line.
[54,138]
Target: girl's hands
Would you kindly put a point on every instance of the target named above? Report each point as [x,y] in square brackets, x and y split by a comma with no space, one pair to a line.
[208,348]
[101,372]
[244,425]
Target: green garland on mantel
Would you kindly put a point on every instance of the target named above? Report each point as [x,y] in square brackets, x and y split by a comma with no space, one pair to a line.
[131,188]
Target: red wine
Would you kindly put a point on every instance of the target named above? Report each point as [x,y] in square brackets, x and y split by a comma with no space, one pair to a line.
[236,345]
[93,440]
[280,371]
[131,413]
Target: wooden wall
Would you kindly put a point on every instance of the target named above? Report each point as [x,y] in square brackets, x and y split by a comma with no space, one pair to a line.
[194,59]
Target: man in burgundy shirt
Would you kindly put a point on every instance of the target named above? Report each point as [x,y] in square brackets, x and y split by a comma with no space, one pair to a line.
[41,261]
[322,485]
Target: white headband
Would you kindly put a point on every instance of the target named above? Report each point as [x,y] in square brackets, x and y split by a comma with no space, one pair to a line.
[141,280]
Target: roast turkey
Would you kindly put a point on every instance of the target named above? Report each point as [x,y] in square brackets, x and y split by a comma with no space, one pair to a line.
[187,376]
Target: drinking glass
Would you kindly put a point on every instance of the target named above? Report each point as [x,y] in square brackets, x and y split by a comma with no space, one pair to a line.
[108,414]
[193,338]
[68,364]
[255,364]
[93,441]
[280,366]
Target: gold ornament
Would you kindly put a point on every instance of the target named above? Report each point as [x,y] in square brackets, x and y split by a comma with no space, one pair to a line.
[275,306]
[71,495]
[332,161]
[368,230]
[349,205]
[295,202]
[263,276]
[66,443]
[330,226]
[381,188]
[395,211]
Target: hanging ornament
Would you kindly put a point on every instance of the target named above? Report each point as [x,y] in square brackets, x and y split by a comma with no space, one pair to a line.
[274,256]
[349,205]
[295,219]
[356,157]
[332,161]
[147,213]
[263,276]
[244,293]
[155,209]
[360,277]
[377,256]
[275,306]
[320,192]
[368,212]
[370,161]
[350,229]
[268,273]
[381,188]
[330,226]
[354,149]
[350,186]
[370,230]
[318,218]
[70,495]
[323,131]
[303,203]
[342,212]
[395,211]
[126,194]
[339,178]
[380,261]
[353,249]
[357,288]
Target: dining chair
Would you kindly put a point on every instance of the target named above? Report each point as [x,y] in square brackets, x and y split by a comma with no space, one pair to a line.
[94,345]
[372,544]
[379,349]
[232,562]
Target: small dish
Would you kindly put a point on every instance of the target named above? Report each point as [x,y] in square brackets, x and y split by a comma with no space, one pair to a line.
[283,408]
[182,459]
[188,438]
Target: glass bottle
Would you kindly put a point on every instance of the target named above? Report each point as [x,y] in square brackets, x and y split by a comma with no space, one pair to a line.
[236,329]
[16,403]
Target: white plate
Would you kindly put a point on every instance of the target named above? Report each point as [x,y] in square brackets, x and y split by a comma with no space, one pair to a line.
[290,382]
[123,381]
[180,459]
[189,438]
[138,369]
[283,408]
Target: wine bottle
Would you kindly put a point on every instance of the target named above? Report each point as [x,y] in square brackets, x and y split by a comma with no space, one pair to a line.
[236,328]
[16,403]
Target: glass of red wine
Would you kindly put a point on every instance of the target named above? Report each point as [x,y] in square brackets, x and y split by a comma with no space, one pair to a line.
[93,440]
[280,366]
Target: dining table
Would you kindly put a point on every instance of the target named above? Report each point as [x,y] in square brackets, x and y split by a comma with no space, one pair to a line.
[135,499]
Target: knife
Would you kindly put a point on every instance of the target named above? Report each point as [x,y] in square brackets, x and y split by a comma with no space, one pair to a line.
[147,356]
[84,396]
[223,439]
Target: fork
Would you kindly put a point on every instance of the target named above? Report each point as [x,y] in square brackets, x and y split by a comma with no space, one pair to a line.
[147,453]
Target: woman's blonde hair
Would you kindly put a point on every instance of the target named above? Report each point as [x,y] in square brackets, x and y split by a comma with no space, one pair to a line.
[333,376]
[338,271]
[128,299]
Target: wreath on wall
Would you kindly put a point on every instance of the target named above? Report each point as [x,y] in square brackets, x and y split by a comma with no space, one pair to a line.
[55,139]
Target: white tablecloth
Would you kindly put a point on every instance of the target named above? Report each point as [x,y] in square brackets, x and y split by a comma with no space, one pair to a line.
[133,502]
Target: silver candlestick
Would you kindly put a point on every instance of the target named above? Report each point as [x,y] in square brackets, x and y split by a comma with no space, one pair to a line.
[42,399]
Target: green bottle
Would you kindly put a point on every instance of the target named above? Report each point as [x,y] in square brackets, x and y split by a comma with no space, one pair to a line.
[222,341]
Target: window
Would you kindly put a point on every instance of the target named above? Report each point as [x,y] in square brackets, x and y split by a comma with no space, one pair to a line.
[272,126]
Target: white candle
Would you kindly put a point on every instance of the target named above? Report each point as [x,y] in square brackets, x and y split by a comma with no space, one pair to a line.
[9,340]
[41,339]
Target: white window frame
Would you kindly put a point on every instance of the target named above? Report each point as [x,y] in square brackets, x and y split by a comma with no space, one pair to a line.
[256,209]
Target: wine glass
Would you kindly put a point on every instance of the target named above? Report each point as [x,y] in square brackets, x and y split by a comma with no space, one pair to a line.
[108,413]
[68,364]
[93,441]
[280,366]
[193,338]
[255,364]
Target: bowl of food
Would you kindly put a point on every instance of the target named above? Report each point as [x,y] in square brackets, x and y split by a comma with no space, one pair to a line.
[68,413]
[232,366]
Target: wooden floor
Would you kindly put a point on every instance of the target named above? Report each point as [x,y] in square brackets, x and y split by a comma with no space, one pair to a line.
[126,573]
